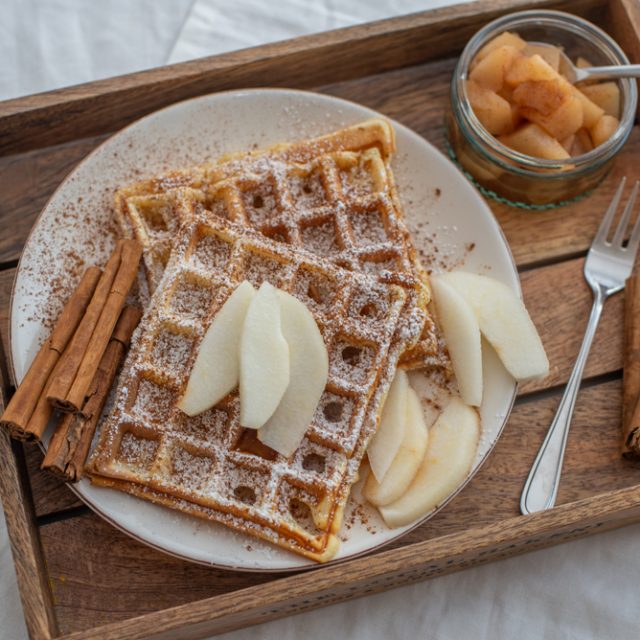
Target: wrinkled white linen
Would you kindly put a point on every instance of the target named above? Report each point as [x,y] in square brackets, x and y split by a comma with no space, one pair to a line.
[585,589]
[214,26]
[12,626]
[47,44]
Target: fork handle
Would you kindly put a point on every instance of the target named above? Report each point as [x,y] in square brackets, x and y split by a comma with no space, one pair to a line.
[541,488]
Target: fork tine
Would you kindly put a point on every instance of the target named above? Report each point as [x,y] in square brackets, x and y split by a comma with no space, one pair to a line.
[603,230]
[624,220]
[634,240]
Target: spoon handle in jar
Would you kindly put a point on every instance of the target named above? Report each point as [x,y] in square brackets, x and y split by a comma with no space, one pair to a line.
[599,73]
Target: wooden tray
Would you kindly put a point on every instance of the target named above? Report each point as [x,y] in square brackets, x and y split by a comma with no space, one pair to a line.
[81,578]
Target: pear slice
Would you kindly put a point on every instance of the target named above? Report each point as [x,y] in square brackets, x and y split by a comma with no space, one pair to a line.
[309,367]
[504,322]
[462,335]
[407,461]
[386,441]
[215,372]
[453,441]
[264,359]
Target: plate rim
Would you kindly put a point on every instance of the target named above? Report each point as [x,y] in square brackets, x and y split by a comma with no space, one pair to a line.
[309,564]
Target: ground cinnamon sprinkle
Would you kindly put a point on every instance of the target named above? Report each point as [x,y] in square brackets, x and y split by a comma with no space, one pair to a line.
[359,515]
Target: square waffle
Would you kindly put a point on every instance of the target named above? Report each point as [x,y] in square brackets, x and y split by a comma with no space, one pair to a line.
[334,196]
[209,465]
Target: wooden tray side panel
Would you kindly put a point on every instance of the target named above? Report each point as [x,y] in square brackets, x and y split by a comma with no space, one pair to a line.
[623,22]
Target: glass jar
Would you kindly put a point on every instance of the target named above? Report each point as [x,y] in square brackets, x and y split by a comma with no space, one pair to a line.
[517,178]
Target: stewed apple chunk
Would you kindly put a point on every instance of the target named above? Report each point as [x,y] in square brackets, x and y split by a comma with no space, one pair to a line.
[533,140]
[583,63]
[603,129]
[542,96]
[605,95]
[582,143]
[591,112]
[549,55]
[493,111]
[491,70]
[504,39]
[518,93]
[529,69]
[549,104]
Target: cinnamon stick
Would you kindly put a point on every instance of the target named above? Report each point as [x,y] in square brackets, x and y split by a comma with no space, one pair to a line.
[21,407]
[631,437]
[44,409]
[125,277]
[631,377]
[73,435]
[60,386]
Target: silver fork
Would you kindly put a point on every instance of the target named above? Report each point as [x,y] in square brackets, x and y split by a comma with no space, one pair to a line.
[606,268]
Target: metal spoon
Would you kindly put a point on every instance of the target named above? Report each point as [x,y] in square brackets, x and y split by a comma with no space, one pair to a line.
[575,74]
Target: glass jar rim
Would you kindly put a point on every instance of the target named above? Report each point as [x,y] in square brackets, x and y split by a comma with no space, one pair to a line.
[570,23]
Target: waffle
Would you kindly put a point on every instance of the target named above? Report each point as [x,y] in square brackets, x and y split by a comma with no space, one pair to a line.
[210,466]
[334,196]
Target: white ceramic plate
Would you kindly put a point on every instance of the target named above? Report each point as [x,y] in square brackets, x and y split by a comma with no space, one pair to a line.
[76,228]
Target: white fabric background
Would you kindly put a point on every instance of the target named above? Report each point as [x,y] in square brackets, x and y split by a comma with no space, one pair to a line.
[585,589]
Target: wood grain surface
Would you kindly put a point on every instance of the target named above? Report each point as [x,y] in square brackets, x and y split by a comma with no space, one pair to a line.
[27,181]
[6,282]
[51,496]
[625,15]
[401,68]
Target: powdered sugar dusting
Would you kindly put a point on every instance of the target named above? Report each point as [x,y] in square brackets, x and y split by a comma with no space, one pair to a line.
[237,482]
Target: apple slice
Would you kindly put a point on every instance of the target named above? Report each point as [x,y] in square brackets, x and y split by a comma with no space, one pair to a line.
[407,461]
[264,359]
[215,372]
[505,323]
[386,441]
[453,441]
[309,366]
[462,335]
